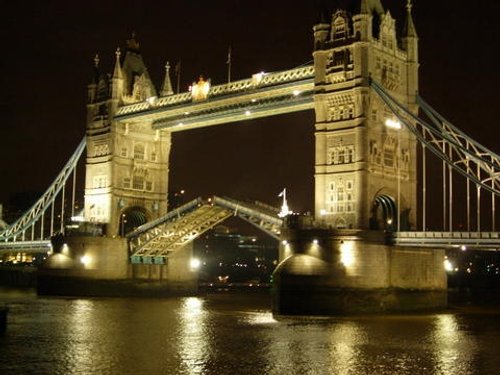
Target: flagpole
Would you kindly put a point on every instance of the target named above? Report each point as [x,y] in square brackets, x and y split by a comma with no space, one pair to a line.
[178,73]
[228,62]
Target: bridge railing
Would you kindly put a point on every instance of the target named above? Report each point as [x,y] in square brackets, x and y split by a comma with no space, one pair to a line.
[259,80]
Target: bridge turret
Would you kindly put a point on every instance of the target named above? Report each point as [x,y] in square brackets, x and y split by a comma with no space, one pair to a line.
[410,45]
[359,159]
[321,29]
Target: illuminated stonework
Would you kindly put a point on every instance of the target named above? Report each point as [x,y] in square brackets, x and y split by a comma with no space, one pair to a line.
[360,153]
[127,164]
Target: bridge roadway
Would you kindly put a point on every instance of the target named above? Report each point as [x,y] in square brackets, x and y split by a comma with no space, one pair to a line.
[265,94]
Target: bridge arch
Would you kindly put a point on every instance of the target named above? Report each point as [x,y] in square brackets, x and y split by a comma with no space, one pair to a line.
[131,218]
[384,214]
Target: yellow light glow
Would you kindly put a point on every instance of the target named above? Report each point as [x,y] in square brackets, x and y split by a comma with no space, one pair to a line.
[195,264]
[315,241]
[284,242]
[200,89]
[296,92]
[248,113]
[257,78]
[347,254]
[393,124]
[448,266]
[85,260]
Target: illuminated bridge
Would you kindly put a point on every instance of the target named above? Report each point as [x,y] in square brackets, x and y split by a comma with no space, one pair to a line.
[377,145]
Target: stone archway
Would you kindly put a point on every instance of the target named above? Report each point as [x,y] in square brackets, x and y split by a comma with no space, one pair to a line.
[383,213]
[132,218]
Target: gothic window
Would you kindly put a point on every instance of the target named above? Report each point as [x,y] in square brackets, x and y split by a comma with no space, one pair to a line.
[126,182]
[149,185]
[153,156]
[124,152]
[139,151]
[341,155]
[138,183]
[339,28]
[389,156]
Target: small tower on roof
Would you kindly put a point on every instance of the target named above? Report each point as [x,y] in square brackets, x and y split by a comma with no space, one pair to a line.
[167,84]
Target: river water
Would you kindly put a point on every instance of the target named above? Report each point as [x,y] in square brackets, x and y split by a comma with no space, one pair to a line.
[236,334]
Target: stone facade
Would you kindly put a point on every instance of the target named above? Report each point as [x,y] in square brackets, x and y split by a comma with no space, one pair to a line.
[359,159]
[127,164]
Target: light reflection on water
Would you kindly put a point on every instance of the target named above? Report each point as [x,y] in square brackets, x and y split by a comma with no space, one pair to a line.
[197,336]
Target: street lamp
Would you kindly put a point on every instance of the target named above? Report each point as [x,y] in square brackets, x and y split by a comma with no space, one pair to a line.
[396,125]
[123,224]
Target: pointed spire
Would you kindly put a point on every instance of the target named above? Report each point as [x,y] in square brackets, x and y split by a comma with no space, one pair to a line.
[167,85]
[117,73]
[409,30]
[96,60]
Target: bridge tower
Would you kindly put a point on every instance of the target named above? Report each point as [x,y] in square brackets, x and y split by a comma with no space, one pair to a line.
[365,163]
[127,164]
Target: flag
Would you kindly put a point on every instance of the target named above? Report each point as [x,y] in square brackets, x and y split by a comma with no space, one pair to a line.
[282,193]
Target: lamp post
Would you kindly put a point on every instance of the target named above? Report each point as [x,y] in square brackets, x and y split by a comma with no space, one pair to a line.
[123,225]
[396,125]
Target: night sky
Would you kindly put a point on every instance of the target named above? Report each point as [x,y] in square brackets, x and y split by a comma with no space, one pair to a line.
[50,46]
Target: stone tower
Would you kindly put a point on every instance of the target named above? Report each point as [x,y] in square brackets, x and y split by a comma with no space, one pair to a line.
[362,151]
[127,164]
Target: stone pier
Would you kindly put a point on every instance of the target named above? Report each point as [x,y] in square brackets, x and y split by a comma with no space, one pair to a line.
[334,272]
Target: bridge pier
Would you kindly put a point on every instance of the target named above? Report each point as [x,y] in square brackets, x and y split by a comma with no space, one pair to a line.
[333,272]
[99,266]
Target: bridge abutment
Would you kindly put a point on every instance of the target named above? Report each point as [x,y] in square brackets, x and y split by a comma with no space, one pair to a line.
[99,266]
[330,272]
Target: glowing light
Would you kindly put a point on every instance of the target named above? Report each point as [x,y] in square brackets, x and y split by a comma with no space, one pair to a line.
[322,212]
[257,78]
[85,260]
[254,100]
[296,92]
[315,241]
[393,124]
[389,221]
[448,266]
[284,242]
[347,254]
[152,100]
[195,264]
[78,219]
[248,113]
[463,248]
[200,89]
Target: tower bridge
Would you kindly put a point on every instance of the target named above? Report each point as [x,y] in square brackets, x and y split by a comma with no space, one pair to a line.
[363,243]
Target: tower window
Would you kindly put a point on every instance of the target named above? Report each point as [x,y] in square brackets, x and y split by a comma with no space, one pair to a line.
[139,151]
[138,183]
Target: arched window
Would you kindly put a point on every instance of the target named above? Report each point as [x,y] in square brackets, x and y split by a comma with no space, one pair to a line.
[339,28]
[139,151]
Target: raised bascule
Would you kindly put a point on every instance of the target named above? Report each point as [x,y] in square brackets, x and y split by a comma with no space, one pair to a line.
[360,252]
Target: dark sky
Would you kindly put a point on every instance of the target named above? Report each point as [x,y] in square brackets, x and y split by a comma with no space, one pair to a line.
[47,59]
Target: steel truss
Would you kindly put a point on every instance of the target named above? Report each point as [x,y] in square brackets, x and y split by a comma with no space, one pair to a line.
[29,219]
[153,242]
[466,156]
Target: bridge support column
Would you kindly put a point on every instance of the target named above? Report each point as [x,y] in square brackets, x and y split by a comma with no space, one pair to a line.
[99,266]
[334,272]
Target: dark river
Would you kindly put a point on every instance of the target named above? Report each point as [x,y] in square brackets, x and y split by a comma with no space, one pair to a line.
[235,334]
